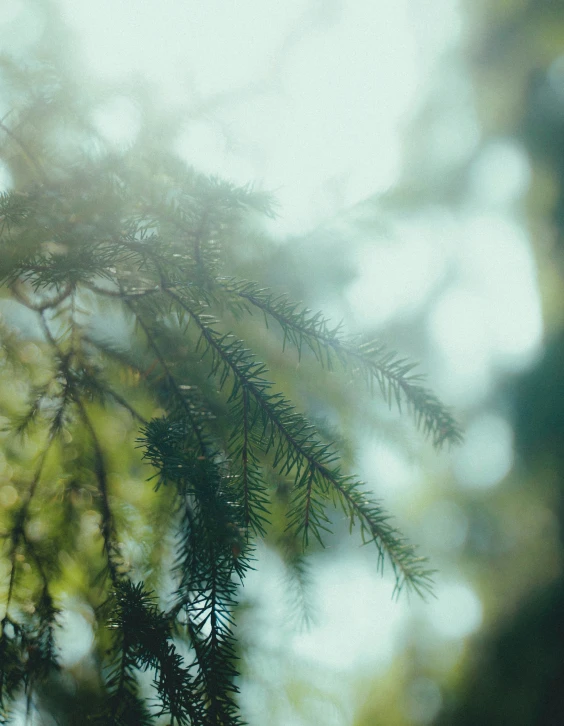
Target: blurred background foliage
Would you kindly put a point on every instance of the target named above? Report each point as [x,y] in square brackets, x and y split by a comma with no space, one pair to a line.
[478,211]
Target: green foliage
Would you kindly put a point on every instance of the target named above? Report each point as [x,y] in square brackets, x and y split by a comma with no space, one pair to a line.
[135,243]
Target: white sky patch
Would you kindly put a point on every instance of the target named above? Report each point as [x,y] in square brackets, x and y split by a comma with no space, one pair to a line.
[454,136]
[438,24]
[326,91]
[329,142]
[356,622]
[207,46]
[456,326]
[118,121]
[359,624]
[342,74]
[496,260]
[486,454]
[500,175]
[20,26]
[10,11]
[74,637]
[388,472]
[396,278]
[203,145]
[265,589]
[491,317]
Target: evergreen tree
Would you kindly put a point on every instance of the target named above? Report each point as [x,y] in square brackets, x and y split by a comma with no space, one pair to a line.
[93,242]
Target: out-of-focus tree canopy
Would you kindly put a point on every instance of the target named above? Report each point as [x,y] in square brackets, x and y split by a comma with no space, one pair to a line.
[514,674]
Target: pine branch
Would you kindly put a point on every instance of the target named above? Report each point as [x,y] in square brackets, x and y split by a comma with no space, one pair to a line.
[176,388]
[108,529]
[71,394]
[297,581]
[143,639]
[297,446]
[206,562]
[249,484]
[391,373]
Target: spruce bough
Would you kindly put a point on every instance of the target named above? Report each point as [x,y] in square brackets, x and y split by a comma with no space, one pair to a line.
[136,244]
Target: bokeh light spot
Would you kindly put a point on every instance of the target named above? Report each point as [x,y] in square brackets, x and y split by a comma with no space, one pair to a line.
[486,455]
[74,636]
[501,174]
[358,622]
[457,611]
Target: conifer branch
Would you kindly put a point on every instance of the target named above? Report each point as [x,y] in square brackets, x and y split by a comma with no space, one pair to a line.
[111,548]
[373,361]
[108,527]
[297,446]
[178,392]
[143,639]
[249,484]
[206,562]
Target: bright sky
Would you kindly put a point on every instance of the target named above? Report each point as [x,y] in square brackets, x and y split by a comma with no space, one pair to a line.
[310,99]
